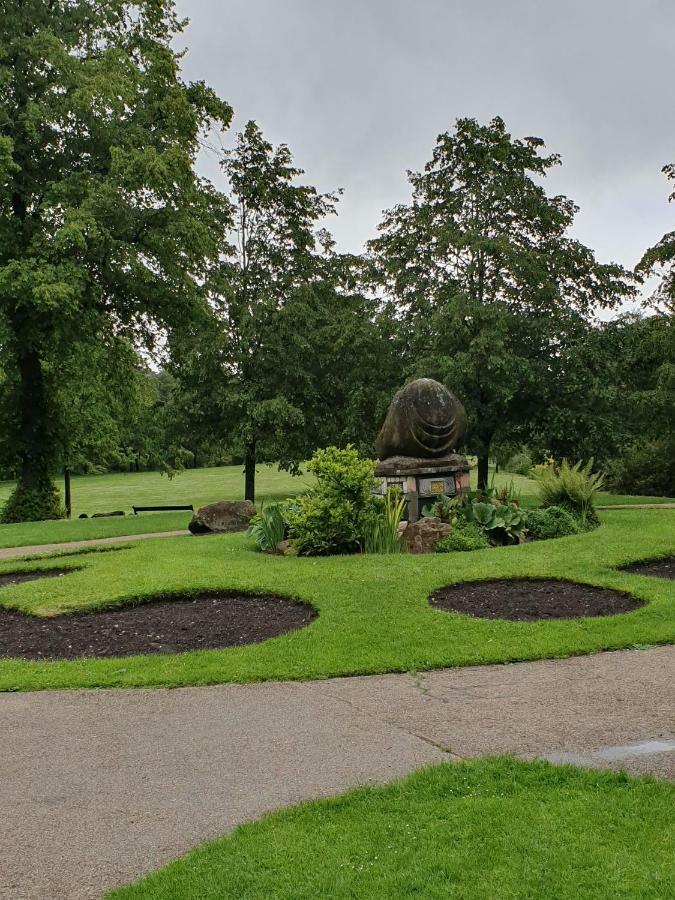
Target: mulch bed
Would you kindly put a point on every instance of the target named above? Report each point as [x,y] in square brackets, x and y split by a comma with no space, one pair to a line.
[659,568]
[19,577]
[528,600]
[163,625]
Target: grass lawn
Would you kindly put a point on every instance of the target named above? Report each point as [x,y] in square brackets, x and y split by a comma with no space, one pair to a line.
[373,610]
[104,493]
[494,828]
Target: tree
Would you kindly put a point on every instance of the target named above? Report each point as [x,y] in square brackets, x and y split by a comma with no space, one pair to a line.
[104,227]
[661,259]
[277,251]
[486,281]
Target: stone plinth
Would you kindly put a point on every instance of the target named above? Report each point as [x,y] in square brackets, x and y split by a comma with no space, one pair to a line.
[422,480]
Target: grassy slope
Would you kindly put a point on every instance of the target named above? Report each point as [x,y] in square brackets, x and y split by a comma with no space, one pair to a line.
[373,610]
[492,828]
[101,493]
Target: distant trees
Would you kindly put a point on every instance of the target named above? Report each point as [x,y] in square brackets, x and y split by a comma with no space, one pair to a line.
[487,283]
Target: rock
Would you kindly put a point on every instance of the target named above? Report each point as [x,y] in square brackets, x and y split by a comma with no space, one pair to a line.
[224,516]
[424,420]
[423,535]
[286,548]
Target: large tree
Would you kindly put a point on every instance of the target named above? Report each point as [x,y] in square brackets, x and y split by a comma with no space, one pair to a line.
[660,260]
[278,249]
[486,280]
[104,227]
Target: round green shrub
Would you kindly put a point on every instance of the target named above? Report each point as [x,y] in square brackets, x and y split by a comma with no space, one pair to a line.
[464,536]
[551,522]
[519,464]
[33,504]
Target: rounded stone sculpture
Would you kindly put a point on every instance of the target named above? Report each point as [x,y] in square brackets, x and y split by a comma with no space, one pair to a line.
[424,420]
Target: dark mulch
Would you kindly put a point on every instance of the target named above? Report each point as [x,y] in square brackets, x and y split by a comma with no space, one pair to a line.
[528,600]
[659,568]
[19,577]
[162,625]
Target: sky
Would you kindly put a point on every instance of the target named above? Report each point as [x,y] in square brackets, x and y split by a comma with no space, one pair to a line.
[360,90]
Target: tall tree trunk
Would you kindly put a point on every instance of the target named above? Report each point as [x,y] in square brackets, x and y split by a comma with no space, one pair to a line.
[249,472]
[67,492]
[483,472]
[35,496]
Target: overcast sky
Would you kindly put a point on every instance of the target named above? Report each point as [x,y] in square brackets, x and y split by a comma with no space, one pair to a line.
[359,89]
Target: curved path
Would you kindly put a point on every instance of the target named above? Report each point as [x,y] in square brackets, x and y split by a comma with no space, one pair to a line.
[63,548]
[99,787]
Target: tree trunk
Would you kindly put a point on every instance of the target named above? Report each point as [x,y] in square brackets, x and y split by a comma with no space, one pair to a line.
[249,472]
[67,492]
[35,496]
[483,472]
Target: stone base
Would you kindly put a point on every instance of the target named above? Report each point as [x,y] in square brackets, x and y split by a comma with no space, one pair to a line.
[422,480]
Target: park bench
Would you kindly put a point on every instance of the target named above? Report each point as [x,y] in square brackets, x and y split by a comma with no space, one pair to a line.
[167,508]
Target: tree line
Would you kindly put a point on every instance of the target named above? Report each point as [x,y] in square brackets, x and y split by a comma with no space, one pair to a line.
[149,318]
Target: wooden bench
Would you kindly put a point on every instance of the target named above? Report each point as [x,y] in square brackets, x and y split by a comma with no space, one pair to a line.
[138,509]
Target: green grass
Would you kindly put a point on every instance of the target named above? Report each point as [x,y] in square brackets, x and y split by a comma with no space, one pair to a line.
[494,828]
[104,493]
[373,610]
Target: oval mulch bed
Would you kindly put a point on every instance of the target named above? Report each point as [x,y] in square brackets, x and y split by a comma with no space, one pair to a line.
[528,600]
[659,568]
[163,625]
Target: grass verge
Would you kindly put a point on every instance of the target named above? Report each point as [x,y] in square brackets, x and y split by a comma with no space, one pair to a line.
[373,610]
[490,828]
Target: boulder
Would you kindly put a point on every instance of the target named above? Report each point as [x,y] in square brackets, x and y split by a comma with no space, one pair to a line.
[423,535]
[226,515]
[424,420]
[286,548]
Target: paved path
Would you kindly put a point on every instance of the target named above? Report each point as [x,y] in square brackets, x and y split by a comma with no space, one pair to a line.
[98,787]
[11,552]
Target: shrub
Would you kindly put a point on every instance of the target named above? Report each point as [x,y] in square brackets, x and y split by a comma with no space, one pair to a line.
[519,464]
[334,516]
[33,504]
[381,530]
[504,523]
[465,536]
[573,487]
[551,522]
[647,468]
[269,526]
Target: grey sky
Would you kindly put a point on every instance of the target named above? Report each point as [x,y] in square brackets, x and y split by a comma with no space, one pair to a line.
[359,91]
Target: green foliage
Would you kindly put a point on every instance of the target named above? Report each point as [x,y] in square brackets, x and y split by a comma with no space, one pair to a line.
[574,487]
[442,508]
[33,503]
[551,522]
[333,516]
[490,284]
[105,228]
[645,468]
[268,527]
[503,522]
[465,536]
[519,464]
[381,531]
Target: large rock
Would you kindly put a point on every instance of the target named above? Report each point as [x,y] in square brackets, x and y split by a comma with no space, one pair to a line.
[226,515]
[424,420]
[423,535]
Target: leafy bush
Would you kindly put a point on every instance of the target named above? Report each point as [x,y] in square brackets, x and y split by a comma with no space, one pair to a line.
[381,531]
[647,468]
[465,536]
[269,526]
[334,516]
[505,523]
[519,464]
[551,522]
[573,487]
[441,507]
[34,504]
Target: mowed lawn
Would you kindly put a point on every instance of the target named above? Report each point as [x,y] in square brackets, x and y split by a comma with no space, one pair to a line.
[122,491]
[494,828]
[373,610]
